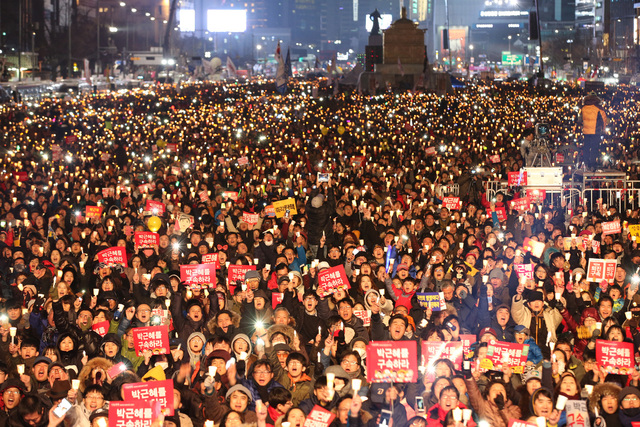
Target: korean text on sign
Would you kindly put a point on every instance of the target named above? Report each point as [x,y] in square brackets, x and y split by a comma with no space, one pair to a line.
[153,338]
[139,413]
[198,274]
[615,357]
[501,353]
[332,279]
[392,361]
[153,391]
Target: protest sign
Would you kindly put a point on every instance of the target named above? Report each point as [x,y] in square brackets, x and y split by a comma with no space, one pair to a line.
[101,328]
[451,203]
[611,227]
[211,259]
[318,417]
[524,271]
[198,274]
[332,279]
[151,391]
[276,298]
[93,212]
[501,354]
[138,413]
[432,351]
[392,361]
[364,315]
[615,357]
[601,269]
[281,207]
[156,208]
[518,423]
[433,300]
[146,239]
[517,179]
[250,218]
[536,248]
[153,338]
[237,272]
[113,256]
[521,204]
[577,414]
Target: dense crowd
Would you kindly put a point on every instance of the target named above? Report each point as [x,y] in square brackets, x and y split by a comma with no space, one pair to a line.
[205,165]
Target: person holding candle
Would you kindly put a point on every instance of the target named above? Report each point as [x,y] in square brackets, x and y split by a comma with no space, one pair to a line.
[448,400]
[323,395]
[604,405]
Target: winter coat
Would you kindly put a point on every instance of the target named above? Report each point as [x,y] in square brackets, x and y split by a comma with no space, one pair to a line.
[488,409]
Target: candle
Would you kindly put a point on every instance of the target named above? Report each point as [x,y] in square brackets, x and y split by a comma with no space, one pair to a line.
[355,385]
[20,369]
[212,371]
[75,384]
[330,378]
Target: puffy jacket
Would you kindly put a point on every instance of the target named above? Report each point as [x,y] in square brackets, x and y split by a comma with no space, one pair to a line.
[593,120]
[488,409]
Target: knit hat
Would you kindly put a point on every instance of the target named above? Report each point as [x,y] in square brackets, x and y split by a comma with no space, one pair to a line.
[240,388]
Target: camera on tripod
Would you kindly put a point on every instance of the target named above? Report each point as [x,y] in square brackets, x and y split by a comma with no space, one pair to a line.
[542,130]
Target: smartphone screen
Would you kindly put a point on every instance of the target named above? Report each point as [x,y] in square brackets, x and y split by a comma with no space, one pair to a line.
[116,370]
[419,404]
[62,408]
[385,418]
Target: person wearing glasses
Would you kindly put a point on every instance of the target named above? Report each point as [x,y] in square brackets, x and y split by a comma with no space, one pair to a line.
[93,400]
[629,400]
[259,382]
[448,400]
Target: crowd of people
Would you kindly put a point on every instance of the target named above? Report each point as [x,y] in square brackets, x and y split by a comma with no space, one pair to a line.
[203,165]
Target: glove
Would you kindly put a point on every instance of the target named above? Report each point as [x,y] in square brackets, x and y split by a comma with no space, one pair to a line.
[208,384]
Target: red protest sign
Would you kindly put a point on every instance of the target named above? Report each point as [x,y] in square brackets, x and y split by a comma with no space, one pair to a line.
[237,272]
[198,274]
[101,327]
[204,196]
[364,315]
[332,279]
[601,269]
[250,218]
[211,259]
[153,338]
[140,413]
[517,179]
[318,417]
[151,391]
[501,213]
[156,208]
[243,161]
[276,298]
[615,357]
[495,158]
[270,211]
[536,195]
[521,204]
[22,176]
[146,239]
[611,227]
[524,270]
[93,212]
[501,354]
[392,361]
[233,195]
[114,255]
[430,151]
[559,157]
[173,147]
[432,351]
[452,203]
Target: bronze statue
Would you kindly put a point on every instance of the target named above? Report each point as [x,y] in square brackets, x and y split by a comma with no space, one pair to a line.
[375,17]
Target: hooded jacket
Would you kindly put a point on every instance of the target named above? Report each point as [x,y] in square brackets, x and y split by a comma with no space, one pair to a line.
[595,402]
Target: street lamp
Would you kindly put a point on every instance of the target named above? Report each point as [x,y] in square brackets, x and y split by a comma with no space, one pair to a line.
[113,29]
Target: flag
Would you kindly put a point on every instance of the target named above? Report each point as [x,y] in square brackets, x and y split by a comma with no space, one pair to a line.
[400,67]
[287,65]
[281,75]
[231,68]
[317,64]
[87,72]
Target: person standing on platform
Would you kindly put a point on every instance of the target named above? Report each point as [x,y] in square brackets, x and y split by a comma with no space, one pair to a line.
[593,120]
